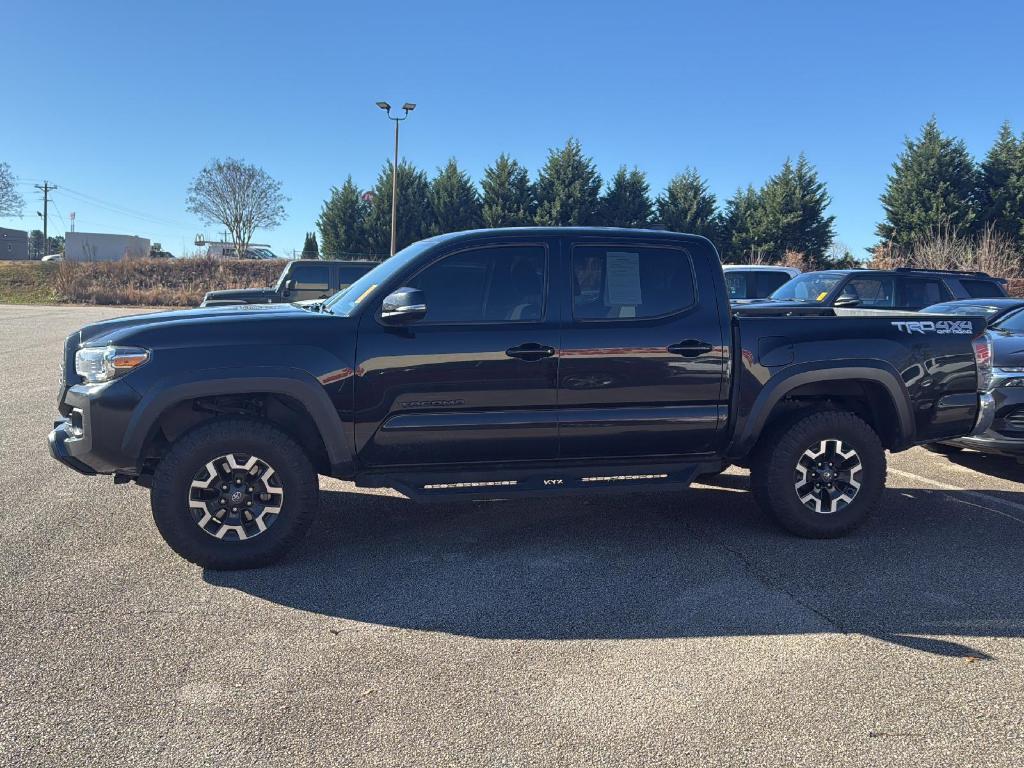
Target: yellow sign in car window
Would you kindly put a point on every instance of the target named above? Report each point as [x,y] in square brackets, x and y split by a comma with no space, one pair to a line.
[821,296]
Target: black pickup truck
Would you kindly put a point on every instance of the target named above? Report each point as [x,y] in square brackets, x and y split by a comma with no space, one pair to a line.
[504,362]
[300,280]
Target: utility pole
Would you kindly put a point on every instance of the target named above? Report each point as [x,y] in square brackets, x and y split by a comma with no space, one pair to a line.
[46,188]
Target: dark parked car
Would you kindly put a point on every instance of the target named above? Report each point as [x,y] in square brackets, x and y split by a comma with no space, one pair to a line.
[505,362]
[903,289]
[1005,385]
[301,280]
[757,281]
[992,310]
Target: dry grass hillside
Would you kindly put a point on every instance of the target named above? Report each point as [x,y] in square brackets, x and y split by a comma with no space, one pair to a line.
[142,282]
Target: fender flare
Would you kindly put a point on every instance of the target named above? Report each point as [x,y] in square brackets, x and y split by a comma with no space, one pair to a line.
[782,384]
[187,385]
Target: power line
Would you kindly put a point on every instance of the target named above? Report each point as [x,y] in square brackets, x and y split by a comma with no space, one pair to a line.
[120,209]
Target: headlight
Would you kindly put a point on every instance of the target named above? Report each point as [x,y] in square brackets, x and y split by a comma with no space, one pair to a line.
[98,364]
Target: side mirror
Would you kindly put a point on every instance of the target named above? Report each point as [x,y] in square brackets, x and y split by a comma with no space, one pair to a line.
[289,285]
[847,301]
[406,305]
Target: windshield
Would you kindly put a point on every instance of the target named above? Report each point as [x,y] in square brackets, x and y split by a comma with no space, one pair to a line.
[1012,322]
[345,301]
[988,311]
[812,286]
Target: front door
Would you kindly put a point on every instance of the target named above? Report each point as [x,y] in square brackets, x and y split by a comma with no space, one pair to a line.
[643,352]
[475,380]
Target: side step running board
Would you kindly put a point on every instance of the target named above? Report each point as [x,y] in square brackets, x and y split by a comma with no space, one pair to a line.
[506,483]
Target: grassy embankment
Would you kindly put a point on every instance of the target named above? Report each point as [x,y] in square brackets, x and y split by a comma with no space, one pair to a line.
[143,282]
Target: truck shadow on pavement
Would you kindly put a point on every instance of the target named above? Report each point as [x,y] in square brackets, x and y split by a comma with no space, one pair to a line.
[704,562]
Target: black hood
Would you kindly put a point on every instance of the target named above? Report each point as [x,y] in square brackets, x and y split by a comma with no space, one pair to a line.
[201,315]
[1007,348]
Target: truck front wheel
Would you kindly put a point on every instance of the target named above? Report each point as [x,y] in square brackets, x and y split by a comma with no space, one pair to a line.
[234,493]
[821,475]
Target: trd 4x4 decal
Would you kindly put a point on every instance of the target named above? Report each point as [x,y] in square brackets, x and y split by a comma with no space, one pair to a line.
[937,326]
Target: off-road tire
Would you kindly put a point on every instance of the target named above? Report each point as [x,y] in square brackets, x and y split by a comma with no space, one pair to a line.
[773,472]
[190,453]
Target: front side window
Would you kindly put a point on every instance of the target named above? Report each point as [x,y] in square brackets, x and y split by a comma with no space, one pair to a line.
[611,282]
[486,285]
[311,277]
[871,292]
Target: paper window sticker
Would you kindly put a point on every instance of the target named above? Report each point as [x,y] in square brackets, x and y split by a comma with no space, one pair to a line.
[622,279]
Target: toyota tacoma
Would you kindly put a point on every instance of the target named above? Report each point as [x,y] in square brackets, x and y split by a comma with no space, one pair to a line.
[508,362]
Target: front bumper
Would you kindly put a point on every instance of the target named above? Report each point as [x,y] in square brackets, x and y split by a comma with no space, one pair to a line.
[90,438]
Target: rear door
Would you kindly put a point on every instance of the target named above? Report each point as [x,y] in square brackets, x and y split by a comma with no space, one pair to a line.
[475,380]
[643,349]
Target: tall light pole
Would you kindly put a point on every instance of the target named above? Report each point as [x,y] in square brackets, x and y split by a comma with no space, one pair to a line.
[408,107]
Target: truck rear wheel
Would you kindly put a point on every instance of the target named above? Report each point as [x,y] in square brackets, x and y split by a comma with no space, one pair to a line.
[234,493]
[821,475]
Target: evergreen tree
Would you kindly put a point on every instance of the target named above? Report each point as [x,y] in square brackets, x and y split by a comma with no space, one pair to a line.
[793,210]
[414,214]
[627,202]
[931,189]
[454,201]
[1001,185]
[687,205]
[342,222]
[508,195]
[568,188]
[309,248]
[743,239]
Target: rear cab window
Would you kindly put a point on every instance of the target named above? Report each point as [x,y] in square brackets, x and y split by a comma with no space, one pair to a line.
[630,281]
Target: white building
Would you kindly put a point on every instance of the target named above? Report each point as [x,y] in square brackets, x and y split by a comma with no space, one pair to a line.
[95,246]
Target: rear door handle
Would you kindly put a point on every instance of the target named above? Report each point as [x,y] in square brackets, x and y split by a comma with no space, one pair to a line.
[530,351]
[690,348]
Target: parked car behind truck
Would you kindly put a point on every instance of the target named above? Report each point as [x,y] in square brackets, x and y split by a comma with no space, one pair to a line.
[301,280]
[501,363]
[896,289]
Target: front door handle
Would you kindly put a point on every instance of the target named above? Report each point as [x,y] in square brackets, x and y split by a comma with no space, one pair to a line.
[530,351]
[690,348]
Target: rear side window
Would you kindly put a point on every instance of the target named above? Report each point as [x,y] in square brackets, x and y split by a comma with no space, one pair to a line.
[627,282]
[982,289]
[736,282]
[311,277]
[921,292]
[768,282]
[486,285]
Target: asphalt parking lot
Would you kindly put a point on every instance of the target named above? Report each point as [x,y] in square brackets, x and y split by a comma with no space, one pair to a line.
[638,630]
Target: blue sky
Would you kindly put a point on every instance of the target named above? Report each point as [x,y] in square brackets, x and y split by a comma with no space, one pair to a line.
[121,104]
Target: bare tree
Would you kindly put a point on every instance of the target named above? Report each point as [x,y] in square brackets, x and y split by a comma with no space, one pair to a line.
[240,196]
[942,248]
[11,202]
